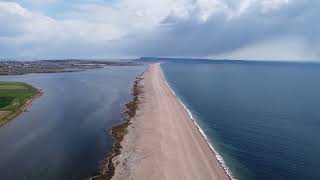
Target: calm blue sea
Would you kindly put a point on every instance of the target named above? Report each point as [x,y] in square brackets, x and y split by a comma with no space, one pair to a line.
[263,118]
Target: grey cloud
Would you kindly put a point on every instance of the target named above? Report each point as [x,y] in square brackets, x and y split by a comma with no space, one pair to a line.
[220,35]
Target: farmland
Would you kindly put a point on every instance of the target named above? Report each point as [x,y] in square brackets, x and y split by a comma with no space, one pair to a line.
[14,98]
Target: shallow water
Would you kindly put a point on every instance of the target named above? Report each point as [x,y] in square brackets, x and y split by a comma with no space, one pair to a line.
[263,118]
[63,135]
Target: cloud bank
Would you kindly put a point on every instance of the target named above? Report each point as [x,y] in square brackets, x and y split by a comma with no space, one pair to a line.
[246,29]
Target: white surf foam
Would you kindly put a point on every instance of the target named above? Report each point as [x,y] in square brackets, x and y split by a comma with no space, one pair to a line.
[218,156]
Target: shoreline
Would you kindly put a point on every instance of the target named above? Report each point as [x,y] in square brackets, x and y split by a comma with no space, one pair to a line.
[215,152]
[23,108]
[161,142]
[117,132]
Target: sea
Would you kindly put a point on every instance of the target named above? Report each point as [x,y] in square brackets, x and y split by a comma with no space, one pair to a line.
[64,134]
[261,118]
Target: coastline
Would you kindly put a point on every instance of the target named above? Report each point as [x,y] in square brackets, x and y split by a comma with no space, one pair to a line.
[117,132]
[161,142]
[22,109]
[215,152]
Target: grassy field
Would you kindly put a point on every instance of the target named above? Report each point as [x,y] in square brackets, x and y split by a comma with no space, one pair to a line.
[13,98]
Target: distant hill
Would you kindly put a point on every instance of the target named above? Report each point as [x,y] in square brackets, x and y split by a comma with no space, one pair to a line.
[221,61]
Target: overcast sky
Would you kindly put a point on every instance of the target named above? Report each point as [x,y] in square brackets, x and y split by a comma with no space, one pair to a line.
[233,29]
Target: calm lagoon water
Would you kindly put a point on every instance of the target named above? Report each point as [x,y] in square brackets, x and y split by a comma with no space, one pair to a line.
[263,118]
[63,135]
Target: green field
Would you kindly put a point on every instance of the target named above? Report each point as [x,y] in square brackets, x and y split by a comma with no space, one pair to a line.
[13,97]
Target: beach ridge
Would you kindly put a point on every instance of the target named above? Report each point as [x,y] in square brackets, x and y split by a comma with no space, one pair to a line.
[162,141]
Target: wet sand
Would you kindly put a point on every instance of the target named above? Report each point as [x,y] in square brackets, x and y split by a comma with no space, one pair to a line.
[162,142]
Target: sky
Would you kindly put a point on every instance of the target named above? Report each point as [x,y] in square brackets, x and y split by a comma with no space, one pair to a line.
[217,29]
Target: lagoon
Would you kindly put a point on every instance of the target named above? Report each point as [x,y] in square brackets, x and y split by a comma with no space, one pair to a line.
[64,133]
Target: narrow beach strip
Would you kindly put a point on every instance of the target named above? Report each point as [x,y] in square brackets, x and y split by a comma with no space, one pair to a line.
[218,156]
[162,141]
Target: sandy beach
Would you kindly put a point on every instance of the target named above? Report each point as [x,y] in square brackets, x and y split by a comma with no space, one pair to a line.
[162,142]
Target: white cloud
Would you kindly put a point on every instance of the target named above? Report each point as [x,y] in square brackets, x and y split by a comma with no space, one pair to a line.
[206,8]
[268,5]
[14,9]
